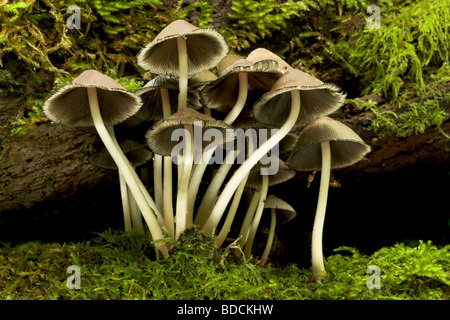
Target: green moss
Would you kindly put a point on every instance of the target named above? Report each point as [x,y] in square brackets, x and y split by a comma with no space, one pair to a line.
[119,265]
[410,46]
[410,119]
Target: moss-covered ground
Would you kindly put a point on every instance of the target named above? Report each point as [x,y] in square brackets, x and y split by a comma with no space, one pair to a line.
[123,266]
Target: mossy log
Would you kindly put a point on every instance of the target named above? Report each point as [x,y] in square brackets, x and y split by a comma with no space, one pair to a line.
[51,162]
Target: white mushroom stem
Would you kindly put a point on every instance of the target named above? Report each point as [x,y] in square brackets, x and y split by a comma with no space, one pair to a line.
[235,203]
[213,188]
[167,184]
[183,217]
[241,99]
[158,181]
[125,202]
[231,214]
[124,166]
[183,72]
[241,172]
[257,217]
[200,168]
[136,217]
[246,224]
[318,267]
[273,222]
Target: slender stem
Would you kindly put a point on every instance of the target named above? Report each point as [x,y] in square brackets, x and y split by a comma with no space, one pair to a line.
[125,167]
[248,164]
[241,99]
[245,227]
[231,214]
[183,72]
[233,114]
[257,217]
[157,180]
[167,184]
[168,197]
[236,200]
[136,217]
[273,222]
[182,216]
[316,247]
[125,202]
[213,188]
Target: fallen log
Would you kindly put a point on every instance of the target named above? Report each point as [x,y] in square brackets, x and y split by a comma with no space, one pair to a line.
[52,163]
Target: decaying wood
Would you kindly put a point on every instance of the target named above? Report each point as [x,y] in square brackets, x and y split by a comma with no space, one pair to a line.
[51,162]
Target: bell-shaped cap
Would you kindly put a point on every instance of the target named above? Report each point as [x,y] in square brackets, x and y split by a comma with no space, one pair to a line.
[205,48]
[221,94]
[283,174]
[317,99]
[159,137]
[150,94]
[284,210]
[136,153]
[226,62]
[346,146]
[201,79]
[261,54]
[69,105]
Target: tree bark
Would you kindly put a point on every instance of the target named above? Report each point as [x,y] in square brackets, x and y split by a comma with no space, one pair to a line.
[51,162]
[47,164]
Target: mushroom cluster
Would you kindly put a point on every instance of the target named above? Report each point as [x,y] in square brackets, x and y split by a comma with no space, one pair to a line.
[218,128]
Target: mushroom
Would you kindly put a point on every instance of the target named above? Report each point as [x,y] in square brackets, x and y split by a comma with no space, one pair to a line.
[228,93]
[325,144]
[137,155]
[152,104]
[160,98]
[181,49]
[96,99]
[160,139]
[261,183]
[261,54]
[284,211]
[281,107]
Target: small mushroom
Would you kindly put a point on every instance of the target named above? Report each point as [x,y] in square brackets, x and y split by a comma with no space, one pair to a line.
[181,49]
[284,211]
[261,54]
[159,138]
[281,107]
[96,99]
[228,93]
[325,144]
[152,103]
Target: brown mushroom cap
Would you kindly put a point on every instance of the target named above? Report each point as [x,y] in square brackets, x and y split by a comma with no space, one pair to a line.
[159,136]
[205,48]
[283,209]
[284,173]
[69,105]
[317,99]
[221,94]
[226,62]
[346,146]
[133,150]
[260,54]
[150,95]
